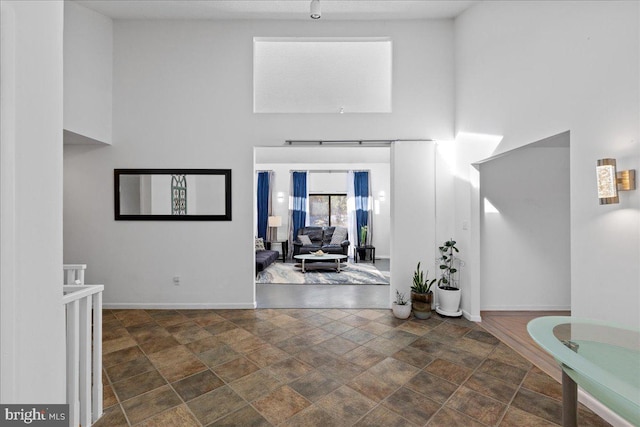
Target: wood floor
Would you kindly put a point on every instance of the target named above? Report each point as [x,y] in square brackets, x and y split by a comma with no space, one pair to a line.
[511,328]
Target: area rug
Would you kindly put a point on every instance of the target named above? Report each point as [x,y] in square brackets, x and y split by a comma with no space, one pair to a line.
[352,274]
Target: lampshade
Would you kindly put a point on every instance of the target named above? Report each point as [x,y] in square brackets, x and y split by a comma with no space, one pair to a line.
[275,221]
[316,13]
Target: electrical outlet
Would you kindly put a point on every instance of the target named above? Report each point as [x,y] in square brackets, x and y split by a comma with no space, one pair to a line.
[176,280]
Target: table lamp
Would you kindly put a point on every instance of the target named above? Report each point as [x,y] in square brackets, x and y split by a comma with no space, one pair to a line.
[274,222]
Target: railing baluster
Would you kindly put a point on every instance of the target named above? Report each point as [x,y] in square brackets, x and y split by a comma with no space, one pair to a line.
[84,353]
[72,362]
[73,272]
[97,357]
[85,361]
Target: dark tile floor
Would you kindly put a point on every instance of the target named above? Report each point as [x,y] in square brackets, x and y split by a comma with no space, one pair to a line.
[316,367]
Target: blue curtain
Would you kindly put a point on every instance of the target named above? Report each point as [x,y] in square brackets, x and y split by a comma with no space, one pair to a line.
[361,193]
[299,201]
[263,203]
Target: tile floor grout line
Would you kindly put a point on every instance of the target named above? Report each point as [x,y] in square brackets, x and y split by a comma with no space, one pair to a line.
[521,386]
[228,384]
[297,327]
[208,368]
[380,403]
[462,383]
[113,390]
[167,383]
[515,394]
[508,405]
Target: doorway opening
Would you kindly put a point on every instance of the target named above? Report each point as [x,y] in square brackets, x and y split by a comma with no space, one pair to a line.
[363,284]
[525,240]
[525,228]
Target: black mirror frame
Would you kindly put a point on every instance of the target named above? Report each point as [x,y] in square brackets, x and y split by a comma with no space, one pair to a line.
[227,191]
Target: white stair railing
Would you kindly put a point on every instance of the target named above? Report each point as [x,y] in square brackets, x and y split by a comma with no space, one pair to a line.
[84,366]
[74,274]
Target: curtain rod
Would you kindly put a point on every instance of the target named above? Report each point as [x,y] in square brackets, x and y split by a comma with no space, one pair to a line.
[348,141]
[330,170]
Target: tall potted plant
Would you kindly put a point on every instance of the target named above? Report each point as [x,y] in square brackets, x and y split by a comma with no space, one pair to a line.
[421,294]
[448,290]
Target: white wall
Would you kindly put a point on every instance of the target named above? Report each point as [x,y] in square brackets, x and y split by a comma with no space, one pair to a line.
[413,212]
[525,246]
[32,324]
[88,77]
[528,70]
[458,208]
[313,76]
[183,99]
[335,182]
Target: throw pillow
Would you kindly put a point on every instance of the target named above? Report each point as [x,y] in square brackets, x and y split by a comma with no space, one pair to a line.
[305,240]
[259,244]
[339,236]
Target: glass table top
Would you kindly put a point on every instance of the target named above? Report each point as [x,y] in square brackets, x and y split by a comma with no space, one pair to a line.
[602,358]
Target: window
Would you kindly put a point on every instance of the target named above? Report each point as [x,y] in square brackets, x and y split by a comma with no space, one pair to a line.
[322,75]
[328,210]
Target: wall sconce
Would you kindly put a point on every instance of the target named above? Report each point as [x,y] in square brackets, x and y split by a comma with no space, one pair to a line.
[280,197]
[610,181]
[381,196]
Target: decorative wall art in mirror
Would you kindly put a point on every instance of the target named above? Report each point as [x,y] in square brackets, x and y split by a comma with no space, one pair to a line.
[172,194]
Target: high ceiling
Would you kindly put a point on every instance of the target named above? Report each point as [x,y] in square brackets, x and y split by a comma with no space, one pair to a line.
[278,9]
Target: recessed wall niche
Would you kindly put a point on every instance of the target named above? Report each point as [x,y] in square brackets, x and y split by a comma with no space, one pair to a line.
[322,75]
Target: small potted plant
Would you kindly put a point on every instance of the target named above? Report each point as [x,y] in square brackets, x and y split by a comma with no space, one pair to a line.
[448,290]
[401,306]
[421,294]
[362,253]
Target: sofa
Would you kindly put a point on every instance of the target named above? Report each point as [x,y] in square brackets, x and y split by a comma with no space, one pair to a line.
[320,239]
[264,258]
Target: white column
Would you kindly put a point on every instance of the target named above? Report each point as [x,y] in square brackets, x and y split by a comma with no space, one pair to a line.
[412,212]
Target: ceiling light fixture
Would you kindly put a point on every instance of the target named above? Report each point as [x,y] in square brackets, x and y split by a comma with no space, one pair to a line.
[316,13]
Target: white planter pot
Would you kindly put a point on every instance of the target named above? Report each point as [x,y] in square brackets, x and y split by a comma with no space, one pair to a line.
[401,311]
[449,302]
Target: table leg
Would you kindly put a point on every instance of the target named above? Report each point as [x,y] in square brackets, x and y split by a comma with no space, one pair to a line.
[338,268]
[569,401]
[373,255]
[303,270]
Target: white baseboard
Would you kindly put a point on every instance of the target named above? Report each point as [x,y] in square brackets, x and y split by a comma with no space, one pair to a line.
[468,316]
[605,413]
[526,308]
[178,306]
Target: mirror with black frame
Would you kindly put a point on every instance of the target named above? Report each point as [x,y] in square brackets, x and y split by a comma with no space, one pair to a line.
[172,194]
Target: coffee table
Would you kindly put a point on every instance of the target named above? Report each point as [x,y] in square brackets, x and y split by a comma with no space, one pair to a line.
[604,359]
[320,262]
